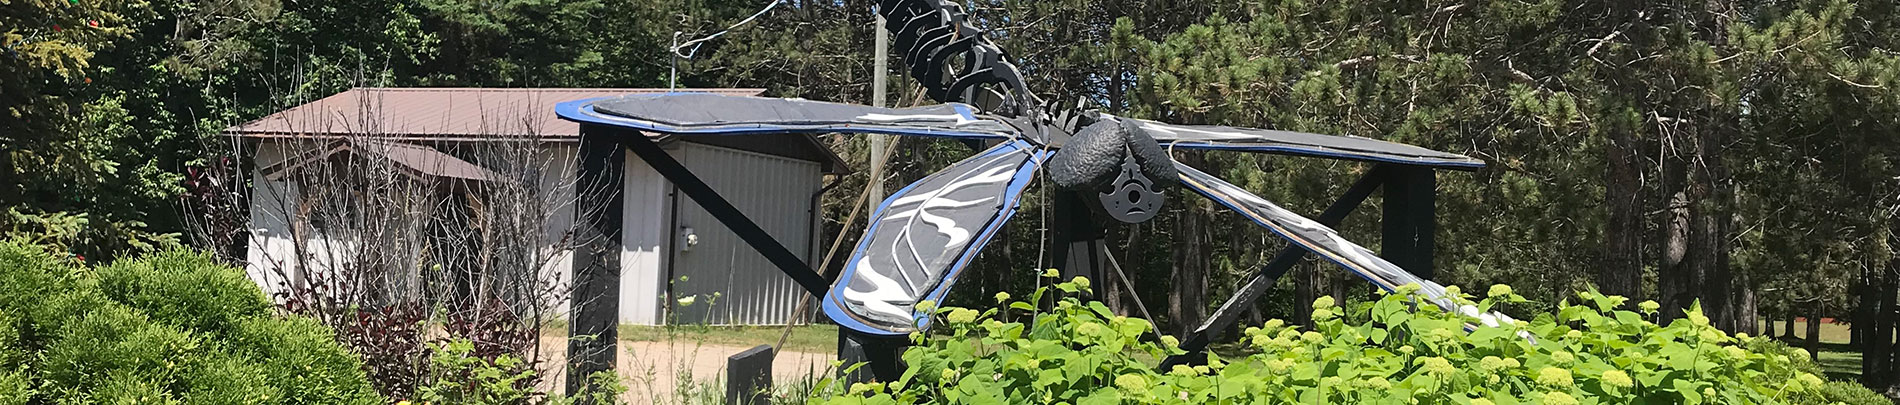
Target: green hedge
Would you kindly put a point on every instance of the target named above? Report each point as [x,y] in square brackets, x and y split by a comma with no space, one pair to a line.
[1385,352]
[173,327]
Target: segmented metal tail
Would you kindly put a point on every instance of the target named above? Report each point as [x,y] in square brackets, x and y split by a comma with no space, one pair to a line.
[952,59]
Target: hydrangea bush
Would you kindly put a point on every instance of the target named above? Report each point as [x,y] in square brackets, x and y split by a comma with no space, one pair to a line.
[1587,352]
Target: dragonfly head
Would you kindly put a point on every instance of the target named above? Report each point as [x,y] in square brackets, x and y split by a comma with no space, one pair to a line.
[1118,162]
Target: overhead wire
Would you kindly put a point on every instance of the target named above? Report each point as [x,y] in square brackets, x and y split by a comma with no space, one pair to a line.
[674,71]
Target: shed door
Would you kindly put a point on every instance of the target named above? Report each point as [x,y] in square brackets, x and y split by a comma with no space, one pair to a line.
[776,192]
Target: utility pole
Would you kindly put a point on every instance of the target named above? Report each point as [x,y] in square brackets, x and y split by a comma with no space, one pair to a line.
[878,142]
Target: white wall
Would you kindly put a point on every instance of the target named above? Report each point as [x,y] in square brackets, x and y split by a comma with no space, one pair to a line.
[271,246]
[646,230]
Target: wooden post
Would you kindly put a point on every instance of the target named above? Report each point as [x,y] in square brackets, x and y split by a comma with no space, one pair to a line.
[595,301]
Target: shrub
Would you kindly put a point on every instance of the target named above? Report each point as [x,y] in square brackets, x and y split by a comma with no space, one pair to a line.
[1388,351]
[173,327]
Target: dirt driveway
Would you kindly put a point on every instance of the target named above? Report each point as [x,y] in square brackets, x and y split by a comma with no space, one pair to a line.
[685,372]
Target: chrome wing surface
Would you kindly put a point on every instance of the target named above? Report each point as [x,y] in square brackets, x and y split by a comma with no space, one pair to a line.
[1299,144]
[1324,241]
[923,236]
[716,114]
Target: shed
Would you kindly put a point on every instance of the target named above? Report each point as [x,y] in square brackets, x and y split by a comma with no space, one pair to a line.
[446,138]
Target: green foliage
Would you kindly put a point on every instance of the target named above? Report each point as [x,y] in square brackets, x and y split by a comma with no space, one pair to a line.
[172,327]
[1388,351]
[460,377]
[176,286]
[1851,393]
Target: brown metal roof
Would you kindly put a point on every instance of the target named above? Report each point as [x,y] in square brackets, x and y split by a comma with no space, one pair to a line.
[438,113]
[418,160]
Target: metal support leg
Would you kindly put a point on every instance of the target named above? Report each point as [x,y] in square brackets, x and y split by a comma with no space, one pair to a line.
[1411,195]
[595,301]
[1262,279]
[1080,243]
[882,357]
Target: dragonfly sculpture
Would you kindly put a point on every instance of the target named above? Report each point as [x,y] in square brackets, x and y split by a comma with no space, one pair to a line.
[923,236]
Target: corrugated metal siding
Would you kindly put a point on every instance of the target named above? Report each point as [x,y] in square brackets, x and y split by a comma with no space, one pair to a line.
[776,193]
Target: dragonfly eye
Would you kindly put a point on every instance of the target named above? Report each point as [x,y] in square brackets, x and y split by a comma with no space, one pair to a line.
[1132,197]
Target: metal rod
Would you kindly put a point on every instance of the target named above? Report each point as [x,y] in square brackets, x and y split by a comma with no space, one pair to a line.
[1130,288]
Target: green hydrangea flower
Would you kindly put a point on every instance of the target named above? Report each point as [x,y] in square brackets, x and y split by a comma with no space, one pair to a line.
[1184,371]
[962,315]
[1810,380]
[1555,377]
[1322,314]
[1617,378]
[1562,357]
[1499,290]
[1559,398]
[1735,352]
[1002,296]
[1312,337]
[1436,365]
[1492,363]
[1131,383]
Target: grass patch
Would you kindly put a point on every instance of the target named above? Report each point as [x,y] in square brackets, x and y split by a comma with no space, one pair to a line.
[805,338]
[1838,360]
[1844,366]
[1830,332]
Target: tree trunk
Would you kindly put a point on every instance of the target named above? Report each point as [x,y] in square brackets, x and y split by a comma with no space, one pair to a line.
[1622,273]
[1876,339]
[1746,318]
[1814,329]
[1787,329]
[1672,270]
[1189,296]
[1710,215]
